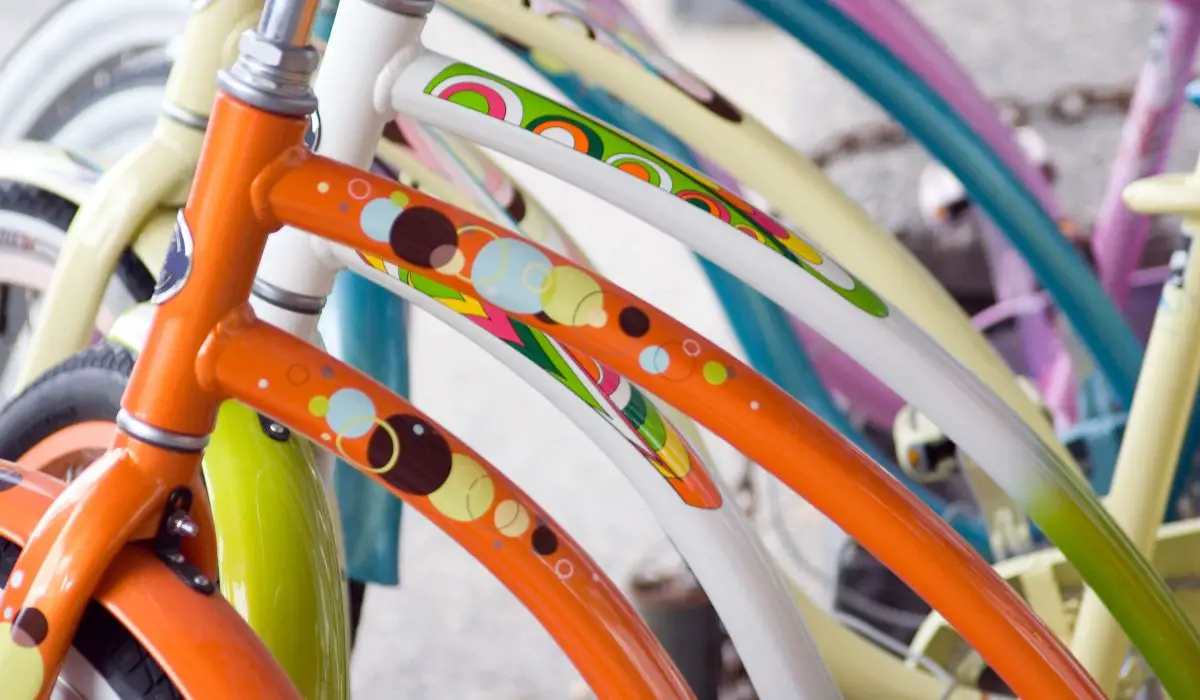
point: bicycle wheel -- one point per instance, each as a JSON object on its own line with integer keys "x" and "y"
{"x": 57, "y": 424}
{"x": 33, "y": 225}
{"x": 105, "y": 662}
{"x": 90, "y": 76}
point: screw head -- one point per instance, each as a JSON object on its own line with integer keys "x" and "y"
{"x": 180, "y": 524}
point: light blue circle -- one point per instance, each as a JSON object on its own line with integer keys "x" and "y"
{"x": 654, "y": 359}
{"x": 351, "y": 413}
{"x": 511, "y": 275}
{"x": 377, "y": 218}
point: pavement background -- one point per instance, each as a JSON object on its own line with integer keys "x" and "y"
{"x": 451, "y": 631}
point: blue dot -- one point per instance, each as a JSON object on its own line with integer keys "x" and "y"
{"x": 511, "y": 275}
{"x": 351, "y": 413}
{"x": 377, "y": 218}
{"x": 654, "y": 359}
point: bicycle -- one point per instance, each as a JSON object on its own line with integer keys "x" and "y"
{"x": 576, "y": 334}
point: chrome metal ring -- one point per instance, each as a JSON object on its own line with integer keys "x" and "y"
{"x": 187, "y": 118}
{"x": 176, "y": 442}
{"x": 291, "y": 301}
{"x": 411, "y": 8}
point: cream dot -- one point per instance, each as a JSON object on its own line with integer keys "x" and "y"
{"x": 263, "y": 384}
{"x": 326, "y": 436}
{"x": 511, "y": 518}
{"x": 596, "y": 318}
{"x": 8, "y": 613}
{"x": 322, "y": 187}
{"x": 753, "y": 405}
{"x": 17, "y": 578}
{"x": 467, "y": 493}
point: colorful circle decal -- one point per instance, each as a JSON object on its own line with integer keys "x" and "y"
{"x": 706, "y": 203}
{"x": 570, "y": 133}
{"x": 642, "y": 168}
{"x": 483, "y": 95}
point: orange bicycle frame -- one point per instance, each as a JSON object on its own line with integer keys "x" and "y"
{"x": 205, "y": 347}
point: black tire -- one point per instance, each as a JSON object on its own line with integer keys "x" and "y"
{"x": 33, "y": 226}
{"x": 109, "y": 648}
{"x": 87, "y": 387}
{"x": 58, "y": 211}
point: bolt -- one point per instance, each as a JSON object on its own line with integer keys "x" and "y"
{"x": 175, "y": 557}
{"x": 180, "y": 524}
{"x": 276, "y": 428}
{"x": 201, "y": 580}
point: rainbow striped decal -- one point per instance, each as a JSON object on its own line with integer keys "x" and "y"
{"x": 490, "y": 95}
{"x": 660, "y": 442}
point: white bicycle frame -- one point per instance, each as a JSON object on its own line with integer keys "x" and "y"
{"x": 375, "y": 67}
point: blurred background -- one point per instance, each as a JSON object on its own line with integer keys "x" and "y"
{"x": 449, "y": 620}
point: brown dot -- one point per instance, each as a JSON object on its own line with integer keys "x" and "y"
{"x": 545, "y": 542}
{"x": 30, "y": 628}
{"x": 424, "y": 461}
{"x": 392, "y": 132}
{"x": 9, "y": 478}
{"x": 723, "y": 108}
{"x": 297, "y": 374}
{"x": 634, "y": 322}
{"x": 419, "y": 232}
{"x": 516, "y": 208}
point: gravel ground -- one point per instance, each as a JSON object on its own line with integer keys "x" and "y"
{"x": 452, "y": 632}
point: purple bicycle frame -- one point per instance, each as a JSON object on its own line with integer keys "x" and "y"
{"x": 1119, "y": 238}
